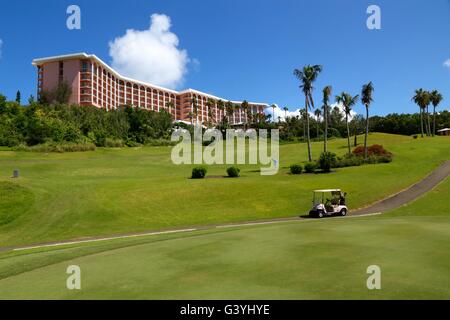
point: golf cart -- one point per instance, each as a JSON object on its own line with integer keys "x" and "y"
{"x": 328, "y": 203}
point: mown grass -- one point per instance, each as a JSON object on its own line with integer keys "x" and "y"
{"x": 308, "y": 259}
{"x": 110, "y": 191}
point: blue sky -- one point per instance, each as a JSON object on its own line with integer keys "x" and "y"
{"x": 246, "y": 49}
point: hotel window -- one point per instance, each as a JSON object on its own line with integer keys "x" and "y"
{"x": 84, "y": 66}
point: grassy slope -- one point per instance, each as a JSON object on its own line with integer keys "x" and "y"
{"x": 114, "y": 191}
{"x": 303, "y": 260}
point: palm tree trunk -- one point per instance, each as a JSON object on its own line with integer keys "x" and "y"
{"x": 434, "y": 121}
{"x": 348, "y": 134}
{"x": 317, "y": 129}
{"x": 308, "y": 139}
{"x": 367, "y": 132}
{"x": 325, "y": 136}
{"x": 428, "y": 123}
{"x": 421, "y": 121}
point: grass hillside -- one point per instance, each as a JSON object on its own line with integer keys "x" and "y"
{"x": 73, "y": 195}
{"x": 308, "y": 259}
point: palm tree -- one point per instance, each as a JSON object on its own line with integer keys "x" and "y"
{"x": 348, "y": 102}
{"x": 428, "y": 124}
{"x": 326, "y": 100}
{"x": 229, "y": 110}
{"x": 317, "y": 113}
{"x": 250, "y": 117}
{"x": 209, "y": 105}
{"x": 286, "y": 109}
{"x": 422, "y": 99}
{"x": 273, "y": 111}
{"x": 245, "y": 108}
{"x": 366, "y": 99}
{"x": 307, "y": 76}
{"x": 194, "y": 108}
{"x": 191, "y": 117}
{"x": 221, "y": 107}
{"x": 436, "y": 98}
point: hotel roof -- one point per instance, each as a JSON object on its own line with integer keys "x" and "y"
{"x": 83, "y": 55}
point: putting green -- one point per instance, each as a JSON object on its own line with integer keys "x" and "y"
{"x": 74, "y": 195}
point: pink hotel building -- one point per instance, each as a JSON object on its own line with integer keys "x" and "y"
{"x": 94, "y": 83}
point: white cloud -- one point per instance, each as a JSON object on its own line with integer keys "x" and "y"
{"x": 447, "y": 63}
{"x": 279, "y": 112}
{"x": 151, "y": 55}
{"x": 1, "y": 44}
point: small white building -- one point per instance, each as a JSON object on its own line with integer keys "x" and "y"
{"x": 444, "y": 132}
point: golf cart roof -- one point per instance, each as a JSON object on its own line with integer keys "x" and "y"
{"x": 327, "y": 190}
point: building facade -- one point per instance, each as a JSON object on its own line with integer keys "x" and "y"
{"x": 94, "y": 83}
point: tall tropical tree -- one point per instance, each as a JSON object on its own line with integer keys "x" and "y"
{"x": 307, "y": 76}
{"x": 285, "y": 109}
{"x": 273, "y": 112}
{"x": 348, "y": 102}
{"x": 326, "y": 101}
{"x": 210, "y": 105}
{"x": 229, "y": 109}
{"x": 317, "y": 113}
{"x": 436, "y": 98}
{"x": 250, "y": 117}
{"x": 18, "y": 96}
{"x": 194, "y": 108}
{"x": 422, "y": 99}
{"x": 366, "y": 99}
{"x": 245, "y": 107}
{"x": 221, "y": 107}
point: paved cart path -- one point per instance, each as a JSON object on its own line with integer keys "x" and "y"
{"x": 390, "y": 203}
{"x": 408, "y": 195}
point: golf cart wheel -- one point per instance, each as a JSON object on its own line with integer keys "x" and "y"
{"x": 343, "y": 212}
{"x": 320, "y": 215}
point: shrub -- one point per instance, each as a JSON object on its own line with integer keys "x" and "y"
{"x": 376, "y": 149}
{"x": 384, "y": 159}
{"x": 327, "y": 160}
{"x": 349, "y": 161}
{"x": 310, "y": 167}
{"x": 113, "y": 143}
{"x": 199, "y": 172}
{"x": 296, "y": 169}
{"x": 133, "y": 144}
{"x": 233, "y": 172}
{"x": 415, "y": 136}
{"x": 159, "y": 143}
{"x": 58, "y": 147}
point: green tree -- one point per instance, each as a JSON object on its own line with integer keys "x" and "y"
{"x": 221, "y": 108}
{"x": 273, "y": 111}
{"x": 18, "y": 97}
{"x": 348, "y": 102}
{"x": 229, "y": 109}
{"x": 366, "y": 99}
{"x": 317, "y": 113}
{"x": 307, "y": 76}
{"x": 436, "y": 98}
{"x": 326, "y": 101}
{"x": 285, "y": 109}
{"x": 422, "y": 99}
{"x": 194, "y": 108}
{"x": 245, "y": 108}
